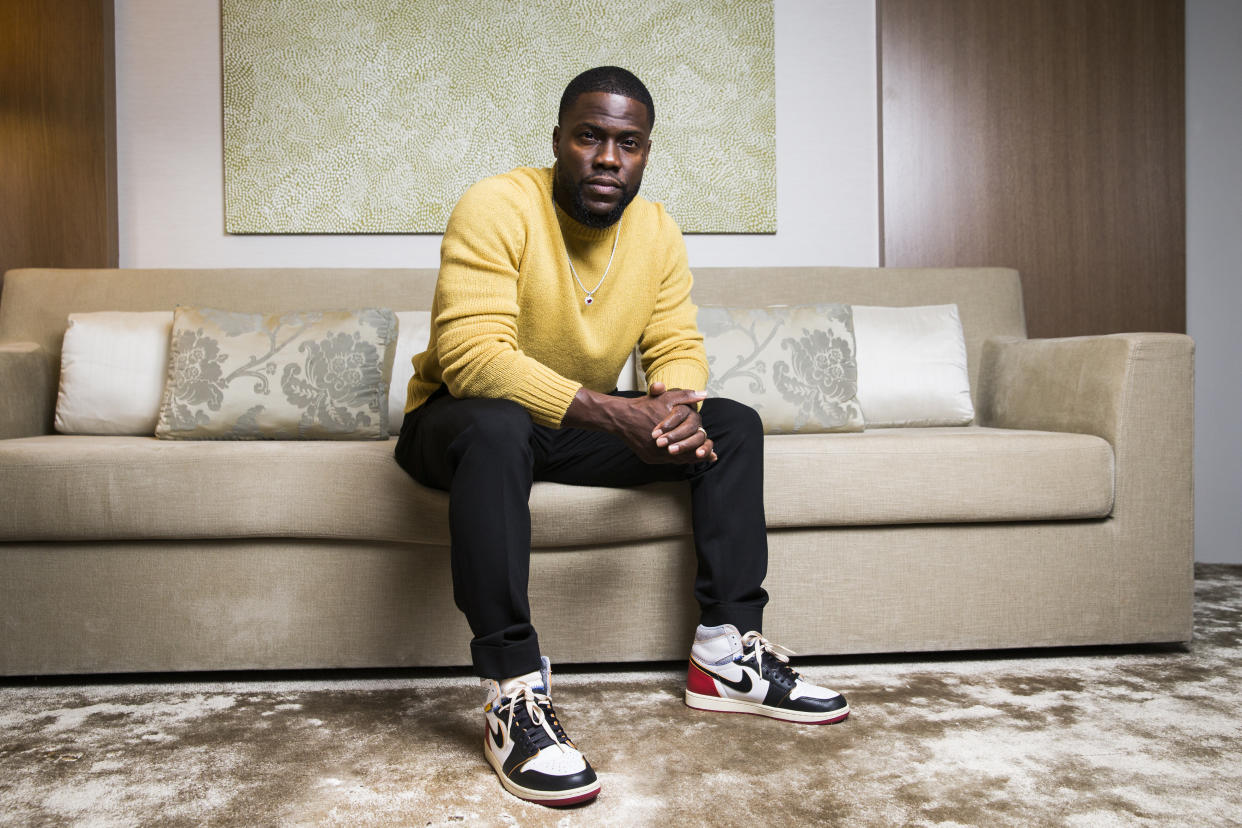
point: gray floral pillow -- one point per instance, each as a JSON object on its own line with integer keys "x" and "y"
{"x": 795, "y": 365}
{"x": 312, "y": 375}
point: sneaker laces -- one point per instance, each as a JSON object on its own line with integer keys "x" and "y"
{"x": 533, "y": 713}
{"x": 760, "y": 647}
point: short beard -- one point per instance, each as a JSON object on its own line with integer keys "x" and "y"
{"x": 582, "y": 215}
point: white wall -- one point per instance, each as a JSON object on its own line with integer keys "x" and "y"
{"x": 170, "y": 147}
{"x": 171, "y": 211}
{"x": 1214, "y": 269}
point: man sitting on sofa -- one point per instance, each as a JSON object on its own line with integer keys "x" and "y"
{"x": 548, "y": 278}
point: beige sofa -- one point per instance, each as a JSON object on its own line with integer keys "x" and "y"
{"x": 1062, "y": 517}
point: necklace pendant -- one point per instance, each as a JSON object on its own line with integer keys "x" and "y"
{"x": 590, "y": 294}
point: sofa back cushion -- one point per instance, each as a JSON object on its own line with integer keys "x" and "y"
{"x": 37, "y": 302}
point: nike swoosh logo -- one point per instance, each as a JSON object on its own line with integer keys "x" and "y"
{"x": 498, "y": 736}
{"x": 742, "y": 686}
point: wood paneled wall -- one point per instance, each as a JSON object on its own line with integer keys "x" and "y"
{"x": 57, "y": 134}
{"x": 1045, "y": 135}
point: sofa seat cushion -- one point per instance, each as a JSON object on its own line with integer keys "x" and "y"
{"x": 66, "y": 488}
{"x": 71, "y": 487}
{"x": 936, "y": 475}
{"x": 84, "y": 488}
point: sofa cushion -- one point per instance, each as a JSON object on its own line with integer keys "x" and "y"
{"x": 936, "y": 475}
{"x": 912, "y": 366}
{"x": 413, "y": 332}
{"x": 122, "y": 488}
{"x": 112, "y": 370}
{"x": 293, "y": 375}
{"x": 795, "y": 365}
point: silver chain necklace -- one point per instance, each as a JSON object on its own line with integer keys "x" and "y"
{"x": 590, "y": 294}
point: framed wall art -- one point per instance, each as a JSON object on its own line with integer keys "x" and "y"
{"x": 374, "y": 116}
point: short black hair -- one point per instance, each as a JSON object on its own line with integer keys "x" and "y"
{"x": 611, "y": 79}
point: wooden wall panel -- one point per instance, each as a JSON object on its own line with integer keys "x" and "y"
{"x": 57, "y": 134}
{"x": 1045, "y": 135}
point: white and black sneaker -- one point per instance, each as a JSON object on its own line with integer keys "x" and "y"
{"x": 737, "y": 673}
{"x": 527, "y": 747}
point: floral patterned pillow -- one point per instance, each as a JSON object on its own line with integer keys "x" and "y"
{"x": 282, "y": 376}
{"x": 795, "y": 365}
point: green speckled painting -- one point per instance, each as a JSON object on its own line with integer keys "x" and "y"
{"x": 374, "y": 116}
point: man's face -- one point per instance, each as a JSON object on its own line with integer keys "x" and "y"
{"x": 601, "y": 148}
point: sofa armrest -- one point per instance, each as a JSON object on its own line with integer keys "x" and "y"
{"x": 27, "y": 393}
{"x": 1108, "y": 385}
{"x": 1137, "y": 392}
{"x": 1134, "y": 390}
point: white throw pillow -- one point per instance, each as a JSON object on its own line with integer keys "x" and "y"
{"x": 414, "y": 331}
{"x": 627, "y": 380}
{"x": 912, "y": 366}
{"x": 112, "y": 370}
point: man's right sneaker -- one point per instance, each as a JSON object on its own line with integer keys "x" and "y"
{"x": 527, "y": 747}
{"x": 735, "y": 673}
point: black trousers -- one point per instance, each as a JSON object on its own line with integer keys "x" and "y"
{"x": 486, "y": 453}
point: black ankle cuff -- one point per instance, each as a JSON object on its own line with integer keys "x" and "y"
{"x": 511, "y": 660}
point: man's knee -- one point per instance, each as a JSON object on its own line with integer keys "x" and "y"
{"x": 725, "y": 416}
{"x": 499, "y": 427}
{"x": 488, "y": 434}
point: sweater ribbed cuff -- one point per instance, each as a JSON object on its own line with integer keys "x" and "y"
{"x": 682, "y": 374}
{"x": 546, "y": 395}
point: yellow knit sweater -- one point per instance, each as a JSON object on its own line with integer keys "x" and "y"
{"x": 509, "y": 321}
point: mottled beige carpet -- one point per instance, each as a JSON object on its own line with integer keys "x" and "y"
{"x": 1137, "y": 736}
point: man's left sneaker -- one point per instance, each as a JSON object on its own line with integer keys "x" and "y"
{"x": 737, "y": 673}
{"x": 525, "y": 744}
